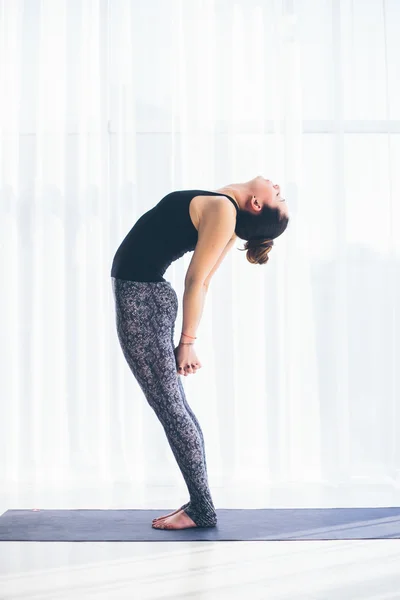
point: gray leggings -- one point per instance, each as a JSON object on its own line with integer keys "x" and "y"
{"x": 145, "y": 318}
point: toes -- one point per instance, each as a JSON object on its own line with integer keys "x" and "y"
{"x": 165, "y": 524}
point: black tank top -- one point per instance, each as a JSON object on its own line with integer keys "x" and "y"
{"x": 160, "y": 236}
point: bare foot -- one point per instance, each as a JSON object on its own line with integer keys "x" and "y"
{"x": 180, "y": 520}
{"x": 169, "y": 514}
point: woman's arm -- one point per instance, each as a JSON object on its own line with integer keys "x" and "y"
{"x": 193, "y": 304}
{"x": 194, "y": 298}
{"x": 216, "y": 235}
{"x": 216, "y": 229}
{"x": 221, "y": 258}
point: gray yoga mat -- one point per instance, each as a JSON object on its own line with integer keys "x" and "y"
{"x": 133, "y": 525}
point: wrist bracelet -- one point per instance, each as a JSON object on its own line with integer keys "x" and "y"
{"x": 189, "y": 336}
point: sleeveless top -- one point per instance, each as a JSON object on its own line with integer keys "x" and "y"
{"x": 160, "y": 236}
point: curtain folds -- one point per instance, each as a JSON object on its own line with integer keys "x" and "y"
{"x": 108, "y": 105}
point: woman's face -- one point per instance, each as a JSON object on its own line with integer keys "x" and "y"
{"x": 267, "y": 192}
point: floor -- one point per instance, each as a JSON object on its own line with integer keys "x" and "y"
{"x": 315, "y": 570}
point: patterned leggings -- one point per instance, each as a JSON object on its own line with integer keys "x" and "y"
{"x": 145, "y": 317}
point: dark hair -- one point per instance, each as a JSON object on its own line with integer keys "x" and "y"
{"x": 259, "y": 231}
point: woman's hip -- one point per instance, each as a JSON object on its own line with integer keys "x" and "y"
{"x": 144, "y": 310}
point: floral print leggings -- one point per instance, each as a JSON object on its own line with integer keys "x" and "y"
{"x": 145, "y": 317}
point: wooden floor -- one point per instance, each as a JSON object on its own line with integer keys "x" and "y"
{"x": 323, "y": 570}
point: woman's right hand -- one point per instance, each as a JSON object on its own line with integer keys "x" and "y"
{"x": 186, "y": 359}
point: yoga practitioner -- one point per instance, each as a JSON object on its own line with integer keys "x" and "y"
{"x": 146, "y": 306}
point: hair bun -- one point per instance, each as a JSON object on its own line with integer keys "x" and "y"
{"x": 258, "y": 249}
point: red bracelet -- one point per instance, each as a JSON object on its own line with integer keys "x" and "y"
{"x": 189, "y": 336}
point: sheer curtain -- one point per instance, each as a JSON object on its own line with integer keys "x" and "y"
{"x": 108, "y": 105}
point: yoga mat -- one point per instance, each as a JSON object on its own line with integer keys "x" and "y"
{"x": 244, "y": 524}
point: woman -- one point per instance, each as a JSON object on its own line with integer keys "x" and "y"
{"x": 146, "y": 305}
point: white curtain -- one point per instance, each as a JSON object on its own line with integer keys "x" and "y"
{"x": 108, "y": 105}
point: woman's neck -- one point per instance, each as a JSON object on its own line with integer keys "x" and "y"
{"x": 230, "y": 191}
